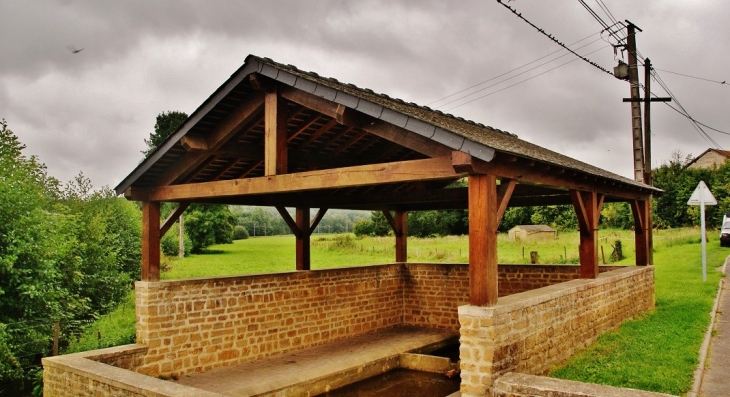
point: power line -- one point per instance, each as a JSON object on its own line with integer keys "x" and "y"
{"x": 695, "y": 77}
{"x": 551, "y": 37}
{"x": 519, "y": 82}
{"x": 509, "y": 78}
{"x": 695, "y": 124}
{"x": 510, "y": 71}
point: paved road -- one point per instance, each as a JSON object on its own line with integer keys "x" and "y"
{"x": 716, "y": 379}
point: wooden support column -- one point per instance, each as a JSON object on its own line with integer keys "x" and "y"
{"x": 275, "y": 153}
{"x": 399, "y": 226}
{"x": 303, "y": 239}
{"x": 151, "y": 241}
{"x": 642, "y": 211}
{"x": 483, "y": 240}
{"x": 588, "y": 209}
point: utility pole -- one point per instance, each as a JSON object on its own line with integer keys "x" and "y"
{"x": 635, "y": 106}
{"x": 648, "y": 174}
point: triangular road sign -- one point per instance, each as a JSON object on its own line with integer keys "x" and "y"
{"x": 702, "y": 195}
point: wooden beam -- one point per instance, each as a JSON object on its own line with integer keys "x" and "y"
{"x": 532, "y": 172}
{"x": 293, "y": 226}
{"x": 641, "y": 209}
{"x": 303, "y": 240}
{"x": 346, "y": 116}
{"x": 230, "y": 126}
{"x": 317, "y": 218}
{"x": 401, "y": 236}
{"x": 364, "y": 175}
{"x": 587, "y": 206}
{"x": 172, "y": 218}
{"x": 150, "y": 241}
{"x": 504, "y": 193}
{"x": 275, "y": 140}
{"x": 406, "y": 138}
{"x": 391, "y": 220}
{"x": 483, "y": 290}
{"x": 193, "y": 142}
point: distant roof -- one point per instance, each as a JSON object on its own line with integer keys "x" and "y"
{"x": 724, "y": 153}
{"x": 456, "y": 133}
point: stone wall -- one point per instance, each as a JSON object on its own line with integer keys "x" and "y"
{"x": 531, "y": 331}
{"x": 199, "y": 324}
{"x": 93, "y": 374}
{"x": 434, "y": 291}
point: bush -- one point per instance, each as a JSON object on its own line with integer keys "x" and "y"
{"x": 170, "y": 242}
{"x": 240, "y": 233}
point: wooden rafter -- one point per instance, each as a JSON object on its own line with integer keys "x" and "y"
{"x": 242, "y": 115}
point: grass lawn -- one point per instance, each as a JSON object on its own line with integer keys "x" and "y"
{"x": 658, "y": 352}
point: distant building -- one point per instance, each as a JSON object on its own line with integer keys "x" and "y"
{"x": 711, "y": 158}
{"x": 532, "y": 233}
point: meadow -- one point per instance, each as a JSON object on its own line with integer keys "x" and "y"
{"x": 277, "y": 253}
{"x": 656, "y": 352}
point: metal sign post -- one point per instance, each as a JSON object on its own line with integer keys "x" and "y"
{"x": 702, "y": 196}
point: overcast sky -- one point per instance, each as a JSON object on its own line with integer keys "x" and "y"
{"x": 90, "y": 111}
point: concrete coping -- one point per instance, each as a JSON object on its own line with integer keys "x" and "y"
{"x": 514, "y": 384}
{"x": 85, "y": 366}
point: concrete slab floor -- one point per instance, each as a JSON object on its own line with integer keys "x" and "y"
{"x": 346, "y": 357}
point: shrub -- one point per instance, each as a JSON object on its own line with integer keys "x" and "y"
{"x": 240, "y": 233}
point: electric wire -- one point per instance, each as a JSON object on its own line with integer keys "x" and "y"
{"x": 551, "y": 37}
{"x": 510, "y": 71}
{"x": 724, "y": 82}
{"x": 682, "y": 110}
{"x": 510, "y": 78}
{"x": 519, "y": 82}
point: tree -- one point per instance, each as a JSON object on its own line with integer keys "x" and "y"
{"x": 209, "y": 224}
{"x": 167, "y": 123}
{"x": 66, "y": 255}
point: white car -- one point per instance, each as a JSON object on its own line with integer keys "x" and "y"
{"x": 725, "y": 231}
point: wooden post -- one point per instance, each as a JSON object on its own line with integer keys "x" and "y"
{"x": 483, "y": 240}
{"x": 150, "y": 241}
{"x": 56, "y": 328}
{"x": 641, "y": 211}
{"x": 401, "y": 236}
{"x": 275, "y": 139}
{"x": 588, "y": 209}
{"x": 303, "y": 239}
{"x": 181, "y": 238}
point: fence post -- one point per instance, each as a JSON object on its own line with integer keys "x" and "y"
{"x": 56, "y": 327}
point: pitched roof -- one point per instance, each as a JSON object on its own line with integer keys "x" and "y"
{"x": 724, "y": 153}
{"x": 454, "y": 132}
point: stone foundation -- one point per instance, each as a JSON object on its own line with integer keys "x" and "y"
{"x": 531, "y": 331}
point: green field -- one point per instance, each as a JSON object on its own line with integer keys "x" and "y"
{"x": 276, "y": 253}
{"x": 657, "y": 352}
